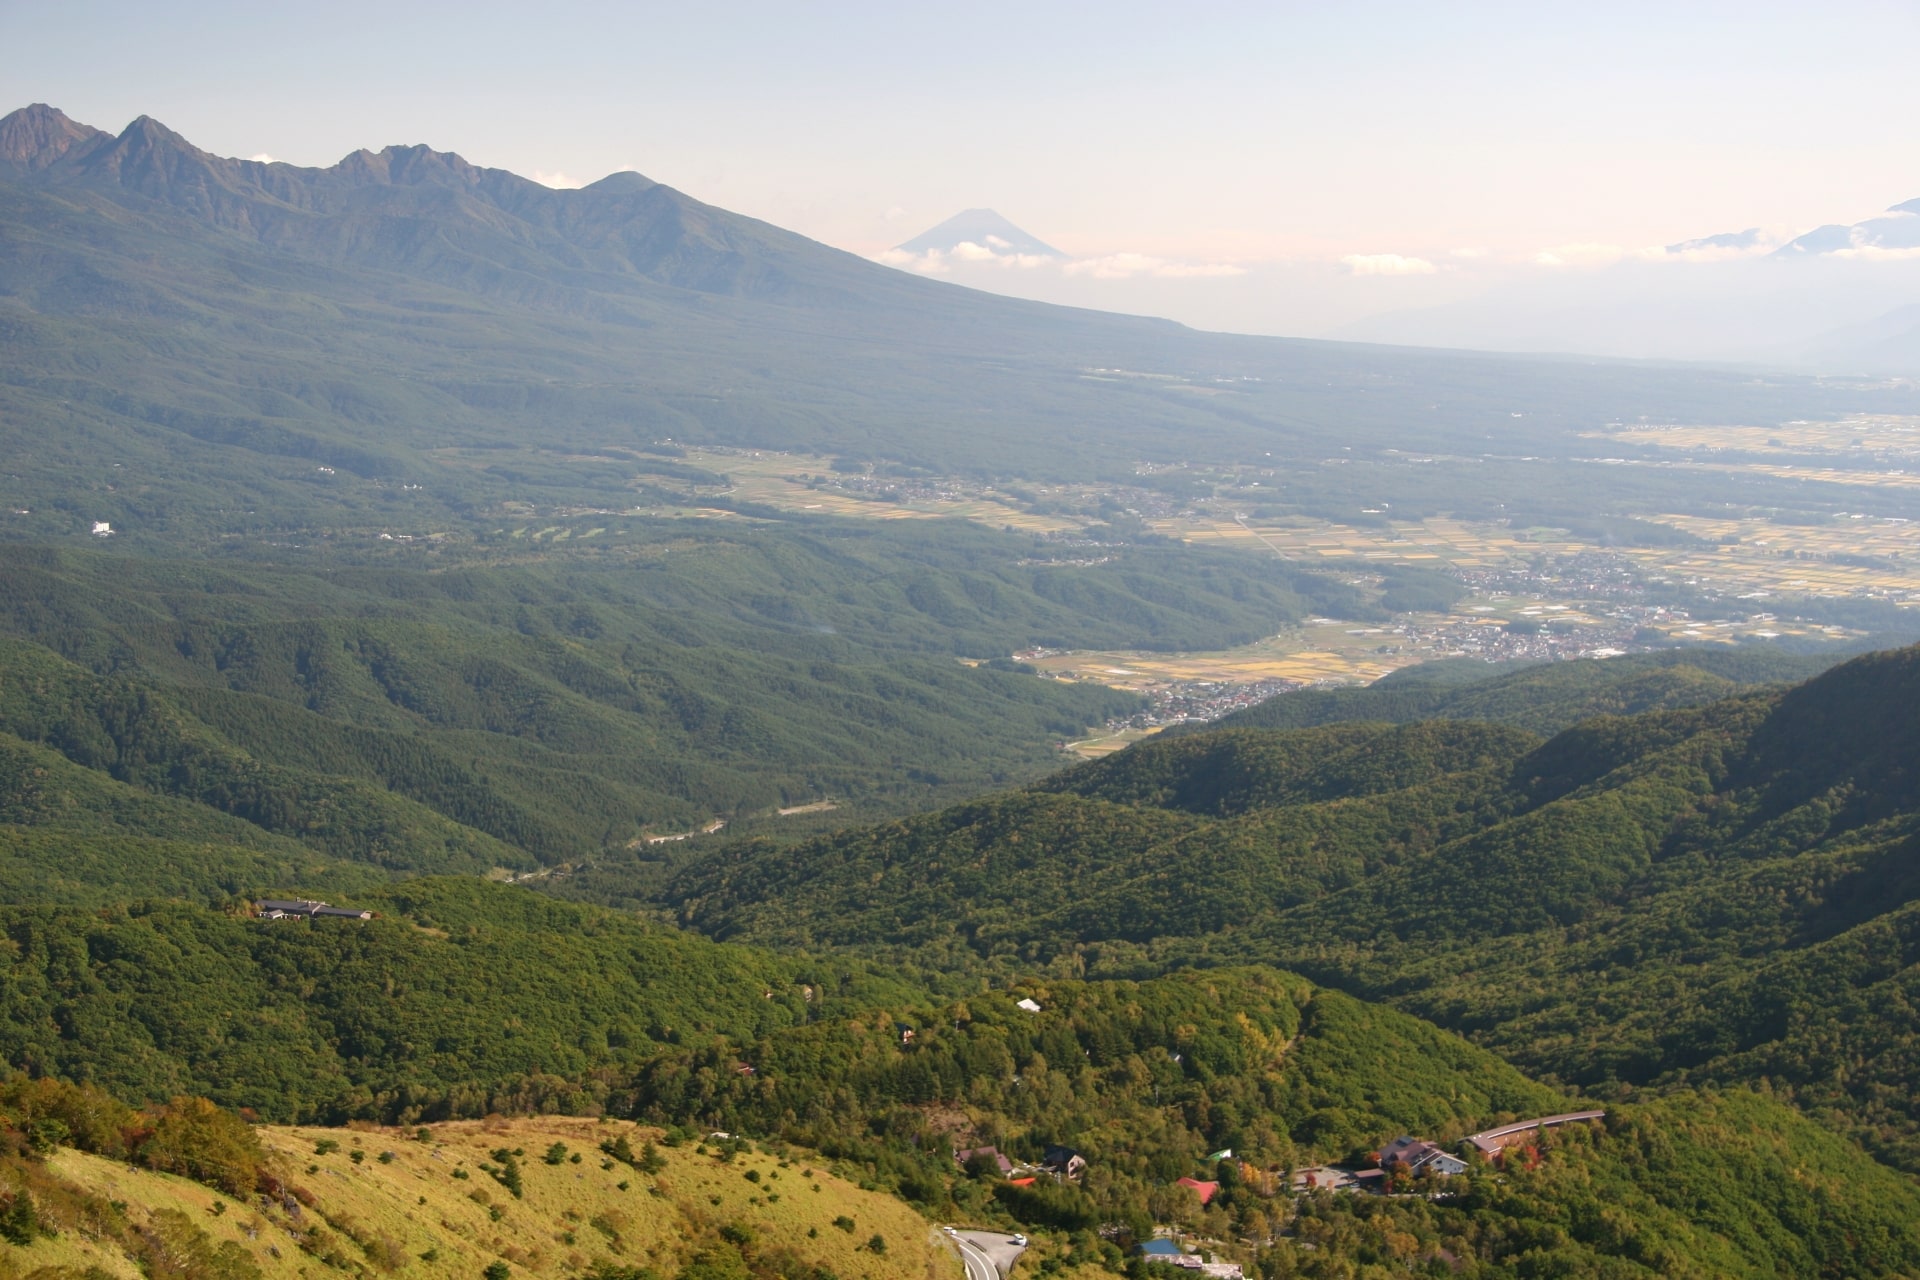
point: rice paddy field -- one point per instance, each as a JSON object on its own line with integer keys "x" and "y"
{"x": 1865, "y": 437}
{"x": 1321, "y": 650}
{"x": 1437, "y": 543}
{"x": 1854, "y": 555}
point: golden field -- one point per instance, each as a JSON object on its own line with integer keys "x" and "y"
{"x": 425, "y": 1209}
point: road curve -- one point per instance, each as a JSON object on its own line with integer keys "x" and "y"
{"x": 979, "y": 1266}
{"x": 987, "y": 1255}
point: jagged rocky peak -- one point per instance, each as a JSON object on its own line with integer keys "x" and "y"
{"x": 153, "y": 159}
{"x": 402, "y": 166}
{"x": 147, "y": 136}
{"x": 39, "y": 135}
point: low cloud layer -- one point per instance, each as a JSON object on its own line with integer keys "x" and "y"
{"x": 939, "y": 262}
{"x": 1879, "y": 253}
{"x": 1387, "y": 264}
{"x": 1121, "y": 266}
{"x": 999, "y": 253}
{"x": 1585, "y": 254}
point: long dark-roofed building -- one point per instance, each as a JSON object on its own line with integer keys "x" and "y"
{"x": 287, "y": 908}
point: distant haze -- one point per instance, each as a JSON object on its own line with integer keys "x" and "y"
{"x": 1459, "y": 175}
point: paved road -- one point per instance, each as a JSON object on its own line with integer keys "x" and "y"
{"x": 979, "y": 1266}
{"x": 988, "y": 1255}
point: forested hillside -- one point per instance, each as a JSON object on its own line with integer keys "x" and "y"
{"x": 1142, "y": 1078}
{"x": 1543, "y": 897}
{"x": 504, "y": 714}
{"x": 1711, "y": 894}
{"x": 461, "y": 997}
{"x": 1540, "y": 697}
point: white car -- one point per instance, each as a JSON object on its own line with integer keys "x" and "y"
{"x": 1019, "y": 1240}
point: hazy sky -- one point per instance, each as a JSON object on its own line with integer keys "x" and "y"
{"x": 1252, "y": 137}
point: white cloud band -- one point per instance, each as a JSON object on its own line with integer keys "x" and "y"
{"x": 1122, "y": 266}
{"x": 1387, "y": 264}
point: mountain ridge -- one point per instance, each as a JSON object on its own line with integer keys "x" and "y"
{"x": 1895, "y": 230}
{"x": 625, "y": 225}
{"x": 466, "y": 304}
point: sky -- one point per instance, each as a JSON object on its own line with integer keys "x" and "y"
{"x": 1271, "y": 167}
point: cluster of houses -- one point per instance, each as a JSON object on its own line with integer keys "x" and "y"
{"x": 1063, "y": 1164}
{"x": 1404, "y": 1155}
{"x": 1418, "y": 1157}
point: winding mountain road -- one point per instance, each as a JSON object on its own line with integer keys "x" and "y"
{"x": 987, "y": 1255}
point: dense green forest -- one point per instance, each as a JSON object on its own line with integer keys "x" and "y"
{"x": 1712, "y": 894}
{"x": 461, "y": 997}
{"x": 503, "y": 712}
{"x": 510, "y": 714}
{"x": 1541, "y": 697}
{"x": 1147, "y": 1080}
{"x": 1685, "y": 1185}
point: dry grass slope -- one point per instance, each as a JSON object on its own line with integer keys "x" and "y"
{"x": 426, "y": 1209}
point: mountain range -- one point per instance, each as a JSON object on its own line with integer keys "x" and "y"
{"x": 356, "y": 550}
{"x": 373, "y": 315}
{"x": 1897, "y": 233}
{"x": 1838, "y": 298}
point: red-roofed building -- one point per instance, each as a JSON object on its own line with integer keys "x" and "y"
{"x": 1205, "y": 1190}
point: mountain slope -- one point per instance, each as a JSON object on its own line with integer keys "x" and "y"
{"x": 427, "y": 1208}
{"x": 1541, "y": 698}
{"x": 1711, "y": 893}
{"x": 569, "y": 705}
{"x": 1686, "y": 1185}
{"x": 459, "y": 998}
{"x": 388, "y": 313}
{"x": 432, "y": 212}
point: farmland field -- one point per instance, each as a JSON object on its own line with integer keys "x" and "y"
{"x": 782, "y": 480}
{"x": 1530, "y": 589}
{"x": 1864, "y": 437}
